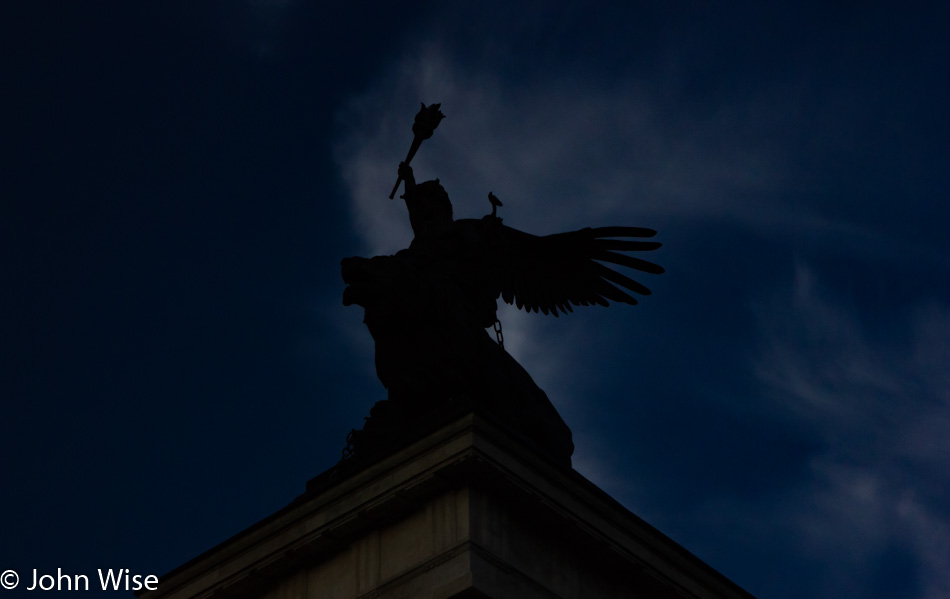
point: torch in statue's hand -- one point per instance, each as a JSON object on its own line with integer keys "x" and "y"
{"x": 427, "y": 120}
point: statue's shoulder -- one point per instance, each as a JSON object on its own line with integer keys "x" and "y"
{"x": 475, "y": 231}
{"x": 487, "y": 225}
{"x": 461, "y": 228}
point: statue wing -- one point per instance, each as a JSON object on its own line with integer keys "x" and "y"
{"x": 551, "y": 273}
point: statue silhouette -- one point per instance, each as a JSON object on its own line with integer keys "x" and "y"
{"x": 428, "y": 307}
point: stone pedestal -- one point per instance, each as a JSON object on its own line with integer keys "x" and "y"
{"x": 466, "y": 511}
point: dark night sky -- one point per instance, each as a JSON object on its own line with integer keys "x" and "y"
{"x": 181, "y": 181}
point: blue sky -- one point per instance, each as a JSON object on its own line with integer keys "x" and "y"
{"x": 184, "y": 179}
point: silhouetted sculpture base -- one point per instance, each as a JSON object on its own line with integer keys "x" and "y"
{"x": 394, "y": 423}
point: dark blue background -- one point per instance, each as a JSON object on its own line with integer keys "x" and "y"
{"x": 172, "y": 218}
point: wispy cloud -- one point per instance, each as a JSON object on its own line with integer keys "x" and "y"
{"x": 561, "y": 153}
{"x": 879, "y": 399}
{"x": 564, "y": 153}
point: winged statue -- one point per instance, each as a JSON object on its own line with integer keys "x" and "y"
{"x": 428, "y": 308}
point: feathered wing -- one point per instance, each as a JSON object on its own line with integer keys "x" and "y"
{"x": 551, "y": 273}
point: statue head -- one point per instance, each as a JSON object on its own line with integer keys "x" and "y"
{"x": 430, "y": 210}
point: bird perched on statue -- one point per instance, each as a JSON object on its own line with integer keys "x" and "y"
{"x": 495, "y": 203}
